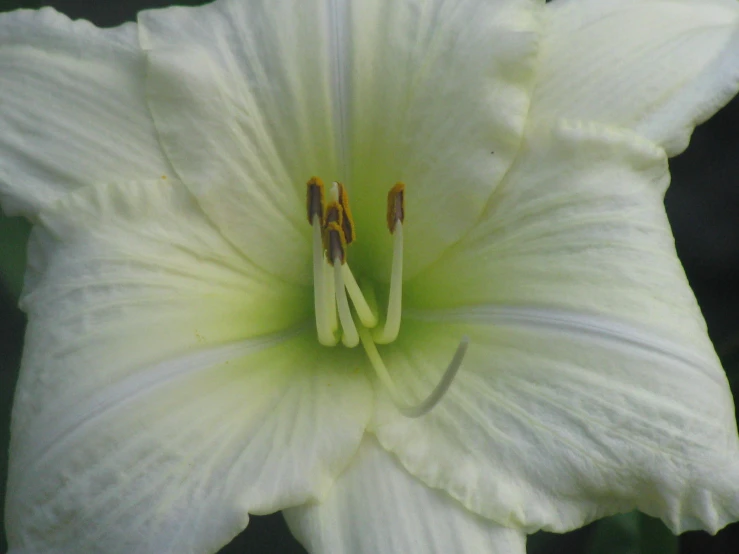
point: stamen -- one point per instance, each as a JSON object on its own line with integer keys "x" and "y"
{"x": 347, "y": 224}
{"x": 367, "y": 316}
{"x": 410, "y": 410}
{"x": 335, "y": 243}
{"x": 335, "y": 215}
{"x": 395, "y": 216}
{"x": 333, "y": 230}
{"x": 323, "y": 304}
{"x": 315, "y": 199}
{"x": 328, "y": 276}
{"x": 395, "y": 206}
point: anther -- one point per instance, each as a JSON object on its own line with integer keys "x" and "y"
{"x": 323, "y": 304}
{"x": 315, "y": 199}
{"x": 395, "y": 206}
{"x": 335, "y": 215}
{"x": 335, "y": 243}
{"x": 347, "y": 223}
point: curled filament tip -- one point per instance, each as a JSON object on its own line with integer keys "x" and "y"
{"x": 425, "y": 406}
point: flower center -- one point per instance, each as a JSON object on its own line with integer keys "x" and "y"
{"x": 334, "y": 284}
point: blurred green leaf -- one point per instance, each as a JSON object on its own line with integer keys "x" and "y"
{"x": 13, "y": 238}
{"x": 540, "y": 543}
{"x": 618, "y": 534}
{"x": 559, "y": 543}
{"x": 7, "y": 5}
{"x": 728, "y": 350}
{"x": 632, "y": 533}
{"x": 656, "y": 538}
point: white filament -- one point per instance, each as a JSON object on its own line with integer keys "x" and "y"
{"x": 328, "y": 275}
{"x": 389, "y": 332}
{"x": 322, "y": 303}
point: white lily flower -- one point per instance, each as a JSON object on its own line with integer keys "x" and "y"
{"x": 185, "y": 365}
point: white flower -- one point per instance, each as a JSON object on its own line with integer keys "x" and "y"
{"x": 173, "y": 381}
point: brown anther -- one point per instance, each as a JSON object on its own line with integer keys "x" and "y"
{"x": 315, "y": 199}
{"x": 336, "y": 245}
{"x": 395, "y": 206}
{"x": 334, "y": 214}
{"x": 347, "y": 223}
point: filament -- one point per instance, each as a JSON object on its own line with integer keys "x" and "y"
{"x": 389, "y": 331}
{"x": 328, "y": 276}
{"x": 323, "y": 304}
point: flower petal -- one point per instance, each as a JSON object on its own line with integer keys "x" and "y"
{"x": 601, "y": 392}
{"x": 162, "y": 395}
{"x": 72, "y": 109}
{"x": 253, "y": 98}
{"x": 439, "y": 96}
{"x": 377, "y": 506}
{"x": 578, "y": 224}
{"x": 239, "y": 93}
{"x": 659, "y": 67}
{"x": 558, "y": 418}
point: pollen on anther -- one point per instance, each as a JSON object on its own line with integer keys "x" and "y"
{"x": 335, "y": 243}
{"x": 347, "y": 223}
{"x": 395, "y": 206}
{"x": 315, "y": 199}
{"x": 334, "y": 214}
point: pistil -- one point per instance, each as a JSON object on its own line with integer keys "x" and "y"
{"x": 406, "y": 408}
{"x": 366, "y": 314}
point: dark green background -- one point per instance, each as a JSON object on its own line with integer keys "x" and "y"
{"x": 703, "y": 206}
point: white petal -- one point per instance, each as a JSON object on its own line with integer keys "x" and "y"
{"x": 72, "y": 109}
{"x": 439, "y": 95}
{"x": 558, "y": 418}
{"x": 659, "y": 67}
{"x": 579, "y": 223}
{"x": 161, "y": 396}
{"x": 602, "y": 393}
{"x": 377, "y": 507}
{"x": 253, "y": 98}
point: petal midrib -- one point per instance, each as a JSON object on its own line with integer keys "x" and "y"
{"x": 583, "y": 325}
{"x": 339, "y": 50}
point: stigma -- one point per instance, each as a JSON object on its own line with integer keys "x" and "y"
{"x": 334, "y": 284}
